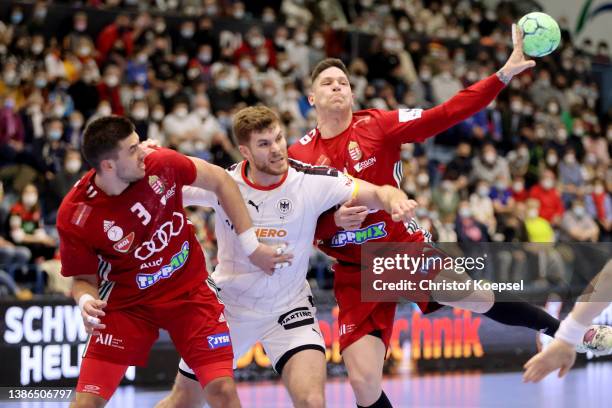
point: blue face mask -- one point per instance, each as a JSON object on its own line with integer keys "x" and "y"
{"x": 55, "y": 135}
{"x": 16, "y": 18}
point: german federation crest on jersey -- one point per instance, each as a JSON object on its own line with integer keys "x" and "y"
{"x": 284, "y": 206}
{"x": 156, "y": 184}
{"x": 354, "y": 150}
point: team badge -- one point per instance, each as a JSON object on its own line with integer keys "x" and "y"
{"x": 354, "y": 150}
{"x": 157, "y": 185}
{"x": 124, "y": 244}
{"x": 284, "y": 206}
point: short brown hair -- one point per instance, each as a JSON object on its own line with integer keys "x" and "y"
{"x": 102, "y": 136}
{"x": 252, "y": 119}
{"x": 328, "y": 63}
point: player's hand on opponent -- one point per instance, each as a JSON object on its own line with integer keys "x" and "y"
{"x": 149, "y": 146}
{"x": 402, "y": 209}
{"x": 91, "y": 313}
{"x": 350, "y": 217}
{"x": 557, "y": 355}
{"x": 270, "y": 258}
{"x": 517, "y": 62}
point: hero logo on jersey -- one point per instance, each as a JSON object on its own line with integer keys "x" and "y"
{"x": 406, "y": 115}
{"x": 284, "y": 206}
{"x": 178, "y": 260}
{"x": 156, "y": 184}
{"x": 354, "y": 150}
{"x": 161, "y": 238}
{"x": 301, "y": 316}
{"x": 219, "y": 340}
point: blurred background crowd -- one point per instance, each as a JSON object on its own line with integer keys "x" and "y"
{"x": 534, "y": 166}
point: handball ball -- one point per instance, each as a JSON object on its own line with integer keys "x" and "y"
{"x": 541, "y": 34}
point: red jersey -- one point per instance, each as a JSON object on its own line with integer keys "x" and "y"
{"x": 139, "y": 243}
{"x": 369, "y": 149}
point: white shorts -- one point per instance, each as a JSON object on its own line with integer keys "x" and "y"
{"x": 281, "y": 335}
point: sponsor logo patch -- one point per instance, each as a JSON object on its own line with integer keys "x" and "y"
{"x": 161, "y": 237}
{"x": 168, "y": 195}
{"x": 365, "y": 164}
{"x": 270, "y": 233}
{"x": 301, "y": 316}
{"x": 81, "y": 214}
{"x": 178, "y": 260}
{"x": 354, "y": 150}
{"x": 125, "y": 244}
{"x": 219, "y": 340}
{"x": 156, "y": 184}
{"x": 360, "y": 236}
{"x": 115, "y": 233}
{"x": 109, "y": 340}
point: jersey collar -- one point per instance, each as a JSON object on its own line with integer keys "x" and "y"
{"x": 257, "y": 186}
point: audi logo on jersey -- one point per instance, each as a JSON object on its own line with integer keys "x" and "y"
{"x": 161, "y": 238}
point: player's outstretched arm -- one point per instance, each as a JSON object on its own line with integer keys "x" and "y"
{"x": 561, "y": 352}
{"x": 217, "y": 180}
{"x": 85, "y": 293}
{"x": 393, "y": 200}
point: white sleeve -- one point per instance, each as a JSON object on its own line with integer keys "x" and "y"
{"x": 330, "y": 189}
{"x": 199, "y": 196}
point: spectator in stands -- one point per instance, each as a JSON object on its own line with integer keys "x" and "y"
{"x": 12, "y": 256}
{"x": 578, "y": 225}
{"x": 61, "y": 182}
{"x": 468, "y": 229}
{"x": 598, "y": 204}
{"x": 538, "y": 228}
{"x": 546, "y": 193}
{"x": 570, "y": 178}
{"x": 489, "y": 166}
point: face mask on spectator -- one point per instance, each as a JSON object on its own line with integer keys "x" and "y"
{"x": 16, "y": 18}
{"x": 598, "y": 189}
{"x": 301, "y": 38}
{"x": 244, "y": 84}
{"x": 10, "y": 77}
{"x": 447, "y": 186}
{"x": 40, "y": 13}
{"x": 268, "y": 17}
{"x": 262, "y": 60}
{"x": 73, "y": 166}
{"x": 104, "y": 110}
{"x": 578, "y": 131}
{"x": 284, "y": 66}
{"x": 40, "y": 82}
{"x": 203, "y": 112}
{"x": 523, "y": 151}
{"x": 483, "y": 191}
{"x": 37, "y": 48}
{"x": 569, "y": 159}
{"x": 532, "y": 213}
{"x": 181, "y": 112}
{"x": 76, "y": 123}
{"x": 30, "y": 199}
{"x": 425, "y": 75}
{"x": 238, "y": 14}
{"x": 548, "y": 183}
{"x": 422, "y": 179}
{"x": 421, "y": 212}
{"x": 211, "y": 10}
{"x": 204, "y": 57}
{"x": 465, "y": 212}
{"x": 111, "y": 81}
{"x": 561, "y": 135}
{"x": 552, "y": 159}
{"x": 579, "y": 211}
{"x": 609, "y": 134}
{"x": 318, "y": 42}
{"x": 528, "y": 110}
{"x": 518, "y": 186}
{"x": 187, "y": 32}
{"x": 500, "y": 185}
{"x": 9, "y": 103}
{"x": 256, "y": 41}
{"x": 181, "y": 60}
{"x": 489, "y": 157}
{"x": 246, "y": 64}
{"x": 58, "y": 111}
{"x": 140, "y": 113}
{"x": 157, "y": 115}
{"x": 80, "y": 26}
{"x": 55, "y": 134}
{"x": 159, "y": 28}
{"x": 553, "y": 108}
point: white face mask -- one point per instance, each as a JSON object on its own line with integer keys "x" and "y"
{"x": 203, "y": 112}
{"x": 181, "y": 112}
{"x": 548, "y": 183}
{"x": 465, "y": 212}
{"x": 30, "y": 199}
{"x": 104, "y": 110}
{"x": 518, "y": 186}
{"x": 72, "y": 166}
{"x": 532, "y": 213}
{"x": 140, "y": 113}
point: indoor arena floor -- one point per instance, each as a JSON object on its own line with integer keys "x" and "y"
{"x": 586, "y": 386}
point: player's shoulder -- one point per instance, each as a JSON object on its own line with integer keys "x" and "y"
{"x": 78, "y": 203}
{"x": 308, "y": 170}
{"x": 304, "y": 141}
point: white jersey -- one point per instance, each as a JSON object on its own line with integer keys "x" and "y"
{"x": 284, "y": 213}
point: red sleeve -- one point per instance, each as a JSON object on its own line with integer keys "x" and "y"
{"x": 326, "y": 225}
{"x": 416, "y": 125}
{"x": 183, "y": 168}
{"x": 76, "y": 256}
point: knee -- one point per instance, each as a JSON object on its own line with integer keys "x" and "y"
{"x": 310, "y": 399}
{"x": 221, "y": 392}
{"x": 364, "y": 379}
{"x": 183, "y": 395}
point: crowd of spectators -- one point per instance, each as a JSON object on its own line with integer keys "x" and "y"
{"x": 533, "y": 166}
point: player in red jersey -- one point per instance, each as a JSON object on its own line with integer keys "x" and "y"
{"x": 138, "y": 267}
{"x": 367, "y": 145}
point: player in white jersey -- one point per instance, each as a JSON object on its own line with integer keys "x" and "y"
{"x": 284, "y": 198}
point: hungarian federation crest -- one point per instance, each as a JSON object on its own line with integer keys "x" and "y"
{"x": 156, "y": 184}
{"x": 354, "y": 150}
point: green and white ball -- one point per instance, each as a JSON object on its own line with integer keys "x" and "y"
{"x": 541, "y": 34}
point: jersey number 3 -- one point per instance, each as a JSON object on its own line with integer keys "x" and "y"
{"x": 141, "y": 213}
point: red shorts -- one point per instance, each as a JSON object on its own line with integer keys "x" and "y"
{"x": 356, "y": 318}
{"x": 193, "y": 320}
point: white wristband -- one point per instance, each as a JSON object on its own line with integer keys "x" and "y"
{"x": 85, "y": 298}
{"x": 571, "y": 331}
{"x": 249, "y": 241}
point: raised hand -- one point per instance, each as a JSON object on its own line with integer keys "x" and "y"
{"x": 517, "y": 62}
